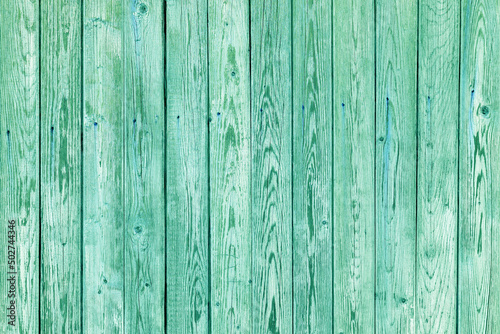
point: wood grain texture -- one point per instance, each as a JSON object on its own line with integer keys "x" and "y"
{"x": 230, "y": 157}
{"x": 103, "y": 167}
{"x": 271, "y": 166}
{"x": 187, "y": 167}
{"x": 438, "y": 74}
{"x": 144, "y": 122}
{"x": 396, "y": 148}
{"x": 354, "y": 161}
{"x": 479, "y": 235}
{"x": 312, "y": 166}
{"x": 60, "y": 154}
{"x": 19, "y": 159}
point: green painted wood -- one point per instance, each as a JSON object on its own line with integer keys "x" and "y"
{"x": 60, "y": 158}
{"x": 103, "y": 166}
{"x": 271, "y": 98}
{"x": 230, "y": 157}
{"x": 395, "y": 165}
{"x": 479, "y": 235}
{"x": 437, "y": 212}
{"x": 187, "y": 167}
{"x": 268, "y": 167}
{"x": 19, "y": 160}
{"x": 354, "y": 162}
{"x": 312, "y": 167}
{"x": 144, "y": 184}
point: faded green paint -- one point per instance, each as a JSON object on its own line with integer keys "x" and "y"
{"x": 251, "y": 166}
{"x": 19, "y": 160}
{"x": 61, "y": 168}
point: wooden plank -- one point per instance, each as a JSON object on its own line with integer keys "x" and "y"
{"x": 187, "y": 167}
{"x": 354, "y": 163}
{"x": 230, "y": 225}
{"x": 103, "y": 167}
{"x": 312, "y": 166}
{"x": 271, "y": 166}
{"x": 144, "y": 184}
{"x": 60, "y": 155}
{"x": 437, "y": 165}
{"x": 479, "y": 238}
{"x": 19, "y": 163}
{"x": 396, "y": 165}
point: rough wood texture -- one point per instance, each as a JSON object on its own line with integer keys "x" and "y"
{"x": 230, "y": 204}
{"x": 60, "y": 127}
{"x": 187, "y": 167}
{"x": 396, "y": 153}
{"x": 103, "y": 167}
{"x": 479, "y": 235}
{"x": 312, "y": 166}
{"x": 236, "y": 166}
{"x": 437, "y": 210}
{"x": 144, "y": 122}
{"x": 19, "y": 159}
{"x": 354, "y": 162}
{"x": 271, "y": 167}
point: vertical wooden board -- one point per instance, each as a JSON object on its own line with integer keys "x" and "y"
{"x": 354, "y": 164}
{"x": 479, "y": 289}
{"x": 19, "y": 162}
{"x": 437, "y": 166}
{"x": 103, "y": 167}
{"x": 60, "y": 75}
{"x": 144, "y": 122}
{"x": 230, "y": 226}
{"x": 396, "y": 148}
{"x": 312, "y": 166}
{"x": 187, "y": 167}
{"x": 271, "y": 166}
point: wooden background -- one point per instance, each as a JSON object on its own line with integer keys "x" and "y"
{"x": 263, "y": 166}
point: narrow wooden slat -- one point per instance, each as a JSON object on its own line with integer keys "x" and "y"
{"x": 103, "y": 167}
{"x": 312, "y": 166}
{"x": 479, "y": 235}
{"x": 271, "y": 166}
{"x": 437, "y": 166}
{"x": 60, "y": 76}
{"x": 19, "y": 161}
{"x": 229, "y": 101}
{"x": 354, "y": 161}
{"x": 144, "y": 122}
{"x": 396, "y": 165}
{"x": 187, "y": 167}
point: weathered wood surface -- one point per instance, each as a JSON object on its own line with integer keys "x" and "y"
{"x": 313, "y": 220}
{"x": 479, "y": 193}
{"x": 144, "y": 184}
{"x": 396, "y": 158}
{"x": 104, "y": 131}
{"x": 61, "y": 167}
{"x": 354, "y": 166}
{"x": 271, "y": 136}
{"x": 230, "y": 158}
{"x": 437, "y": 187}
{"x": 19, "y": 161}
{"x": 215, "y": 166}
{"x": 187, "y": 167}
